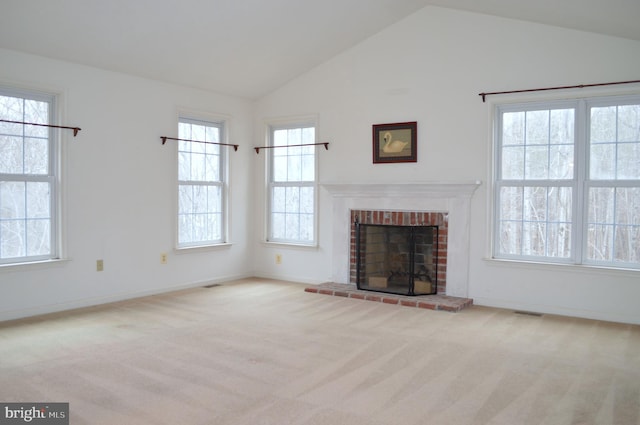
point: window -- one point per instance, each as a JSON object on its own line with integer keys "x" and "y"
{"x": 28, "y": 178}
{"x": 201, "y": 183}
{"x": 567, "y": 183}
{"x": 292, "y": 184}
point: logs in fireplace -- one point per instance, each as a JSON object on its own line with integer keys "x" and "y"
{"x": 397, "y": 259}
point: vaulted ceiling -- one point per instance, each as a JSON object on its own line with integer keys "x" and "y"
{"x": 249, "y": 48}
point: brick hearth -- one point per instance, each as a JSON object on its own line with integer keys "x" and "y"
{"x": 431, "y": 302}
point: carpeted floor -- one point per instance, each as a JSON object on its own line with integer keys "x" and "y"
{"x": 265, "y": 352}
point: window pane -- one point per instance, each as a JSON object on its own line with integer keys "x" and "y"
{"x": 12, "y": 200}
{"x": 600, "y": 242}
{"x": 308, "y": 168}
{"x": 603, "y": 162}
{"x": 601, "y": 205}
{"x": 36, "y": 156}
{"x": 292, "y": 223}
{"x": 278, "y": 199}
{"x": 560, "y": 204}
{"x": 280, "y": 168}
{"x": 629, "y": 123}
{"x": 11, "y": 155}
{"x": 38, "y": 237}
{"x": 13, "y": 241}
{"x": 628, "y": 205}
{"x": 534, "y": 238}
{"x": 537, "y": 128}
{"x": 628, "y": 161}
{"x": 513, "y": 163}
{"x": 306, "y": 227}
{"x": 561, "y": 162}
{"x": 511, "y": 237}
{"x": 535, "y": 205}
{"x": 214, "y": 199}
{"x": 562, "y": 126}
{"x": 185, "y": 227}
{"x": 278, "y": 226}
{"x": 511, "y": 203}
{"x": 292, "y": 202}
{"x": 603, "y": 124}
{"x": 627, "y": 248}
{"x": 513, "y": 128}
{"x": 36, "y": 112}
{"x": 294, "y": 168}
{"x": 307, "y": 200}
{"x": 38, "y": 202}
{"x": 559, "y": 238}
{"x": 537, "y": 162}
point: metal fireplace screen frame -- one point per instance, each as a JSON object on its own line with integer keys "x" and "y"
{"x": 397, "y": 259}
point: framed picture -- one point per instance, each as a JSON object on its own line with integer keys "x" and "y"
{"x": 396, "y": 142}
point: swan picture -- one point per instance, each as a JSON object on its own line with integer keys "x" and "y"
{"x": 392, "y": 146}
{"x": 395, "y": 142}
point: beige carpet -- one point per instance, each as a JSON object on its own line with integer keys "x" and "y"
{"x": 265, "y": 352}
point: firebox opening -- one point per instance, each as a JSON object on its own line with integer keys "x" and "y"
{"x": 397, "y": 259}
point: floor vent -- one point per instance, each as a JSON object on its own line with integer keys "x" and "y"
{"x": 529, "y": 313}
{"x": 213, "y": 285}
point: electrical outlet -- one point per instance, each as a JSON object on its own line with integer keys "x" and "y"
{"x": 99, "y": 265}
{"x": 278, "y": 258}
{"x": 163, "y": 258}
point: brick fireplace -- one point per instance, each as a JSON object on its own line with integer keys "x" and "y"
{"x": 442, "y": 202}
{"x": 405, "y": 218}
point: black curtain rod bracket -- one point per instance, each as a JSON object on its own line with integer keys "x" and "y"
{"x": 165, "y": 138}
{"x": 580, "y": 86}
{"x": 325, "y": 144}
{"x": 75, "y": 129}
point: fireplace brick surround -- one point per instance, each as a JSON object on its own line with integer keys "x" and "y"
{"x": 404, "y": 218}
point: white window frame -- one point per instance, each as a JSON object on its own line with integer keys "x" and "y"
{"x": 221, "y": 123}
{"x": 271, "y": 127}
{"x": 52, "y": 177}
{"x": 579, "y": 183}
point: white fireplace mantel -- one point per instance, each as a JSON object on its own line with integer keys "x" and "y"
{"x": 452, "y": 198}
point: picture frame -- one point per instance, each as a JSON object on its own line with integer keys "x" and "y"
{"x": 396, "y": 142}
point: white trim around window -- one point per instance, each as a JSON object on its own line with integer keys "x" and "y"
{"x": 202, "y": 182}
{"x": 567, "y": 182}
{"x": 291, "y": 182}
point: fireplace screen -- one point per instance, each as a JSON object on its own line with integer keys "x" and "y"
{"x": 397, "y": 259}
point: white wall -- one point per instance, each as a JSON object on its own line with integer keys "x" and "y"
{"x": 430, "y": 68}
{"x": 120, "y": 190}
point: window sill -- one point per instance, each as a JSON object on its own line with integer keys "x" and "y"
{"x": 196, "y": 248}
{"x": 577, "y": 268}
{"x": 33, "y": 265}
{"x": 291, "y": 245}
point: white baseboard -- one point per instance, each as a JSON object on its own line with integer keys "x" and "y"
{"x": 288, "y": 278}
{"x": 95, "y": 301}
{"x": 560, "y": 311}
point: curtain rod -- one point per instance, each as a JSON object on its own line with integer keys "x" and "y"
{"x": 75, "y": 129}
{"x": 580, "y": 86}
{"x": 257, "y": 148}
{"x": 165, "y": 138}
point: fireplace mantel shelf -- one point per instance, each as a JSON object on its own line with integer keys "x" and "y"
{"x": 433, "y": 189}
